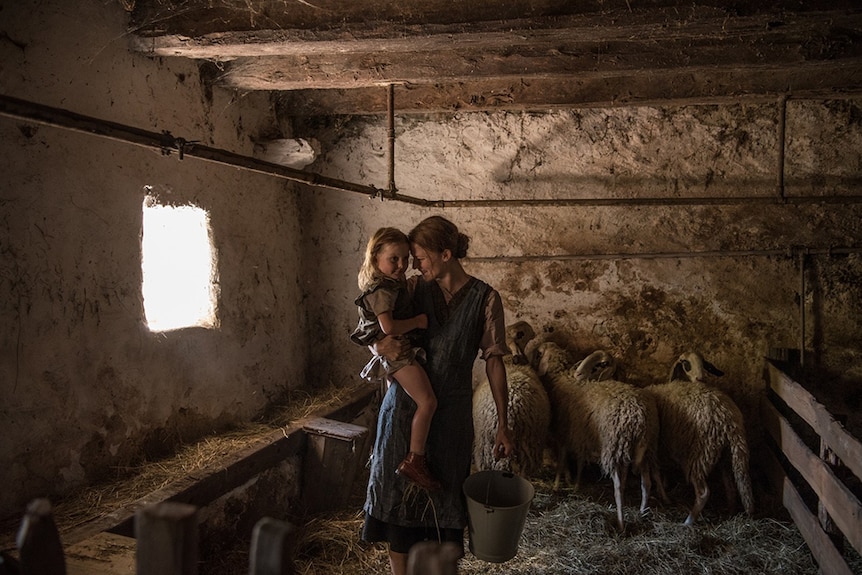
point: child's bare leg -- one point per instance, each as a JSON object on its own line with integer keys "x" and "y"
{"x": 415, "y": 382}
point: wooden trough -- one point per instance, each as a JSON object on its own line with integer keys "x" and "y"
{"x": 815, "y": 482}
{"x": 158, "y": 532}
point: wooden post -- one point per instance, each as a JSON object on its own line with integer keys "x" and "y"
{"x": 271, "y": 545}
{"x": 432, "y": 558}
{"x": 38, "y": 541}
{"x": 167, "y": 539}
{"x": 330, "y": 463}
{"x": 834, "y": 463}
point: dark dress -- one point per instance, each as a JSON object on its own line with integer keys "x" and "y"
{"x": 451, "y": 342}
{"x": 394, "y": 297}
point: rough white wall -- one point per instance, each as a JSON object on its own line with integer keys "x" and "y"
{"x": 86, "y": 387}
{"x": 601, "y": 276}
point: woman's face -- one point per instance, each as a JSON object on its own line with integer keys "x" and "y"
{"x": 430, "y": 264}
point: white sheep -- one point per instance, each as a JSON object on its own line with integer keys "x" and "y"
{"x": 529, "y": 411}
{"x": 699, "y": 425}
{"x": 602, "y": 421}
{"x": 601, "y": 366}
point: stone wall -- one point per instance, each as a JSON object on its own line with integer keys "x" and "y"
{"x": 646, "y": 281}
{"x": 88, "y": 390}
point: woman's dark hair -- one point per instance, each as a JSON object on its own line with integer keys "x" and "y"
{"x": 436, "y": 233}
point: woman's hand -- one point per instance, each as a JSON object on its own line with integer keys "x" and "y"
{"x": 392, "y": 347}
{"x": 504, "y": 444}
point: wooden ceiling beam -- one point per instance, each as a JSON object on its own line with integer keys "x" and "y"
{"x": 501, "y": 35}
{"x": 534, "y": 61}
{"x": 658, "y": 55}
{"x": 678, "y": 86}
{"x": 196, "y": 18}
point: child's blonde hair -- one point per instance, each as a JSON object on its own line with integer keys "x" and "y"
{"x": 369, "y": 273}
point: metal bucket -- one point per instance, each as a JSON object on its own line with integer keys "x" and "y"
{"x": 497, "y": 505}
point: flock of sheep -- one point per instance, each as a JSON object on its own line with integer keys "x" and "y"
{"x": 578, "y": 409}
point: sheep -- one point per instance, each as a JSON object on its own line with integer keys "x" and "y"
{"x": 699, "y": 425}
{"x": 529, "y": 411}
{"x": 603, "y": 421}
{"x": 601, "y": 366}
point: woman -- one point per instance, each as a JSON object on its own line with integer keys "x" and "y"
{"x": 465, "y": 315}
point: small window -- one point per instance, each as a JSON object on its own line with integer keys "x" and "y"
{"x": 179, "y": 267}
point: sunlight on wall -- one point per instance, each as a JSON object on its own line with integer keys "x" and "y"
{"x": 179, "y": 267}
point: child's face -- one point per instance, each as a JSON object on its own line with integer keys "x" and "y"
{"x": 393, "y": 260}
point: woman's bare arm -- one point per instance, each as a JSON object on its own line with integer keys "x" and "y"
{"x": 495, "y": 369}
{"x": 392, "y": 326}
{"x": 392, "y": 347}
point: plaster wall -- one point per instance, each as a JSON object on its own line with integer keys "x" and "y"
{"x": 644, "y": 281}
{"x": 88, "y": 391}
{"x": 87, "y": 388}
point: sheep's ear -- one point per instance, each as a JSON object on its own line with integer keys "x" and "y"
{"x": 712, "y": 369}
{"x": 676, "y": 372}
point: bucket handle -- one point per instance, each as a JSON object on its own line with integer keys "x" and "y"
{"x": 488, "y": 508}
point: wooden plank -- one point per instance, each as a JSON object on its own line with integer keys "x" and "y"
{"x": 39, "y": 544}
{"x": 194, "y": 18}
{"x": 655, "y": 56}
{"x": 102, "y": 554}
{"x": 682, "y": 86}
{"x": 167, "y": 539}
{"x": 661, "y": 34}
{"x": 418, "y": 68}
{"x": 330, "y": 463}
{"x": 829, "y": 458}
{"x": 538, "y": 53}
{"x": 271, "y": 545}
{"x": 837, "y": 438}
{"x": 827, "y": 556}
{"x": 837, "y": 499}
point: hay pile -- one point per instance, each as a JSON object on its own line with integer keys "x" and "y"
{"x": 131, "y": 483}
{"x": 574, "y": 534}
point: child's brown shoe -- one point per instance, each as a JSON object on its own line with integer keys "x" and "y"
{"x": 414, "y": 468}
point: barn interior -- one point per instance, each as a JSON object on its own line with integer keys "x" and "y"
{"x": 641, "y": 176}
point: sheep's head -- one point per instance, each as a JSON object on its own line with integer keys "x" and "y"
{"x": 549, "y": 357}
{"x": 693, "y": 367}
{"x": 530, "y": 350}
{"x": 518, "y": 335}
{"x": 598, "y": 366}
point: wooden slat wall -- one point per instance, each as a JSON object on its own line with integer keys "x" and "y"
{"x": 845, "y": 446}
{"x": 818, "y": 541}
{"x": 843, "y": 506}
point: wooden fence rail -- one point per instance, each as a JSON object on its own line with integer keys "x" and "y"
{"x": 838, "y": 514}
{"x": 166, "y": 543}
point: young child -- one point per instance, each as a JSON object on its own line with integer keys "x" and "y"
{"x": 385, "y": 308}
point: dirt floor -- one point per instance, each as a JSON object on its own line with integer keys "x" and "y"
{"x": 575, "y": 533}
